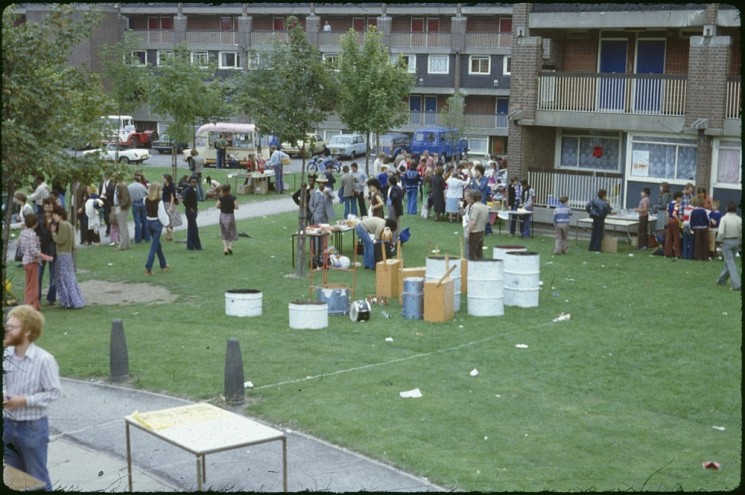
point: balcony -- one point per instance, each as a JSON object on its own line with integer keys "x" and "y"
{"x": 155, "y": 38}
{"x": 733, "y": 103}
{"x": 631, "y": 94}
{"x": 420, "y": 40}
{"x": 215, "y": 38}
{"x": 331, "y": 40}
{"x": 478, "y": 42}
{"x": 487, "y": 123}
{"x": 267, "y": 38}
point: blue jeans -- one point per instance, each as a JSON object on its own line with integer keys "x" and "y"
{"x": 279, "y": 183}
{"x": 154, "y": 228}
{"x": 25, "y": 447}
{"x": 687, "y": 241}
{"x": 729, "y": 253}
{"x": 368, "y": 259}
{"x": 526, "y": 219}
{"x": 52, "y": 294}
{"x": 513, "y": 221}
{"x": 140, "y": 218}
{"x": 350, "y": 206}
{"x": 411, "y": 199}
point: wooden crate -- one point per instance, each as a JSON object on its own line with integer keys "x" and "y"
{"x": 245, "y": 189}
{"x": 388, "y": 279}
{"x": 439, "y": 301}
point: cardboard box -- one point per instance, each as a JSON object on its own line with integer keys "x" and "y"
{"x": 439, "y": 301}
{"x": 245, "y": 188}
{"x": 609, "y": 244}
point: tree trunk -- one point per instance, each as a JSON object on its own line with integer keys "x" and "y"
{"x": 302, "y": 221}
{"x": 10, "y": 188}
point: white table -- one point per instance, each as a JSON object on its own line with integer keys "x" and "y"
{"x": 203, "y": 429}
{"x": 629, "y": 223}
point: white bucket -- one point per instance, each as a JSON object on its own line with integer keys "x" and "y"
{"x": 309, "y": 315}
{"x": 522, "y": 279}
{"x": 500, "y": 251}
{"x": 243, "y": 302}
{"x": 436, "y": 267}
{"x": 485, "y": 288}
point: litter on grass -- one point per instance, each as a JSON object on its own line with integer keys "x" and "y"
{"x": 712, "y": 465}
{"x": 521, "y": 346}
{"x": 474, "y": 372}
{"x": 411, "y": 394}
{"x": 248, "y": 385}
{"x": 389, "y": 339}
{"x": 720, "y": 428}
{"x": 562, "y": 317}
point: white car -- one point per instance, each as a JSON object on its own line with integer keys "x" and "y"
{"x": 313, "y": 145}
{"x": 126, "y": 155}
{"x": 348, "y": 145}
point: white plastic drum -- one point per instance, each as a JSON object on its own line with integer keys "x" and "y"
{"x": 243, "y": 302}
{"x": 500, "y": 251}
{"x": 360, "y": 310}
{"x": 309, "y": 315}
{"x": 522, "y": 279}
{"x": 436, "y": 267}
{"x": 485, "y": 288}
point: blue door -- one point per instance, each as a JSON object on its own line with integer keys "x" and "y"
{"x": 650, "y": 59}
{"x": 415, "y": 110}
{"x": 612, "y": 61}
{"x": 430, "y": 110}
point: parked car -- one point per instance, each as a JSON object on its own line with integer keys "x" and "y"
{"x": 314, "y": 144}
{"x": 392, "y": 143}
{"x": 437, "y": 139}
{"x": 348, "y": 145}
{"x": 164, "y": 144}
{"x": 125, "y": 155}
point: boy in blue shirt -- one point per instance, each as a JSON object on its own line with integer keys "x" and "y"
{"x": 562, "y": 214}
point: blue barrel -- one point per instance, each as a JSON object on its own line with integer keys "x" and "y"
{"x": 413, "y": 298}
{"x": 336, "y": 296}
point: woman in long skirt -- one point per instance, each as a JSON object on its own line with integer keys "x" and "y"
{"x": 227, "y": 203}
{"x": 63, "y": 233}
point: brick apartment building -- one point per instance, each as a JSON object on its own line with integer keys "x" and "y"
{"x": 576, "y": 96}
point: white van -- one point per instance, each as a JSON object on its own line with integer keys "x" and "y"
{"x": 243, "y": 140}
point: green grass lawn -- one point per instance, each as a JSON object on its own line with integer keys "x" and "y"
{"x": 623, "y": 396}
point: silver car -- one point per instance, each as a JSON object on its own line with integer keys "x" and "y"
{"x": 348, "y": 145}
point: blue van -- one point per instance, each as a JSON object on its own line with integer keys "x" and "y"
{"x": 392, "y": 143}
{"x": 441, "y": 140}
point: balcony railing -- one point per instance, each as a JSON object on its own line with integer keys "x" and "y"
{"x": 470, "y": 120}
{"x": 639, "y": 94}
{"x": 268, "y": 37}
{"x": 154, "y": 36}
{"x": 733, "y": 103}
{"x": 488, "y": 40}
{"x": 549, "y": 185}
{"x": 204, "y": 37}
{"x": 332, "y": 39}
{"x": 420, "y": 40}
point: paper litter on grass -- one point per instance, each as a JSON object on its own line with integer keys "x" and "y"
{"x": 521, "y": 346}
{"x": 474, "y": 372}
{"x": 411, "y": 394}
{"x": 389, "y": 339}
{"x": 720, "y": 428}
{"x": 562, "y": 317}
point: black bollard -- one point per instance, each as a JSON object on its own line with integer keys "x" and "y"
{"x": 118, "y": 358}
{"x": 234, "y": 391}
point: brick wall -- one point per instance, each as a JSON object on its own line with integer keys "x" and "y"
{"x": 580, "y": 55}
{"x": 676, "y": 56}
{"x": 707, "y": 79}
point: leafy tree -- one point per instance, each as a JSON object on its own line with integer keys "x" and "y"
{"x": 453, "y": 116}
{"x": 373, "y": 91}
{"x": 125, "y": 77}
{"x": 186, "y": 92}
{"x": 287, "y": 96}
{"x": 47, "y": 104}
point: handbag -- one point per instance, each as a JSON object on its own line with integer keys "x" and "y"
{"x": 19, "y": 253}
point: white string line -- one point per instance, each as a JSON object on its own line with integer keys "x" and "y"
{"x": 385, "y": 363}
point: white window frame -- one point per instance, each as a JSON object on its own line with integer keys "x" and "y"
{"x": 238, "y": 60}
{"x": 434, "y": 60}
{"x": 658, "y": 139}
{"x": 140, "y": 61}
{"x": 507, "y": 65}
{"x": 481, "y": 58}
{"x": 200, "y": 58}
{"x": 581, "y": 135}
{"x": 477, "y": 145}
{"x": 333, "y": 59}
{"x": 162, "y": 56}
{"x": 717, "y": 145}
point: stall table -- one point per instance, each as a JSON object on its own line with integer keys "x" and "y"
{"x": 627, "y": 223}
{"x": 20, "y": 481}
{"x": 203, "y": 429}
